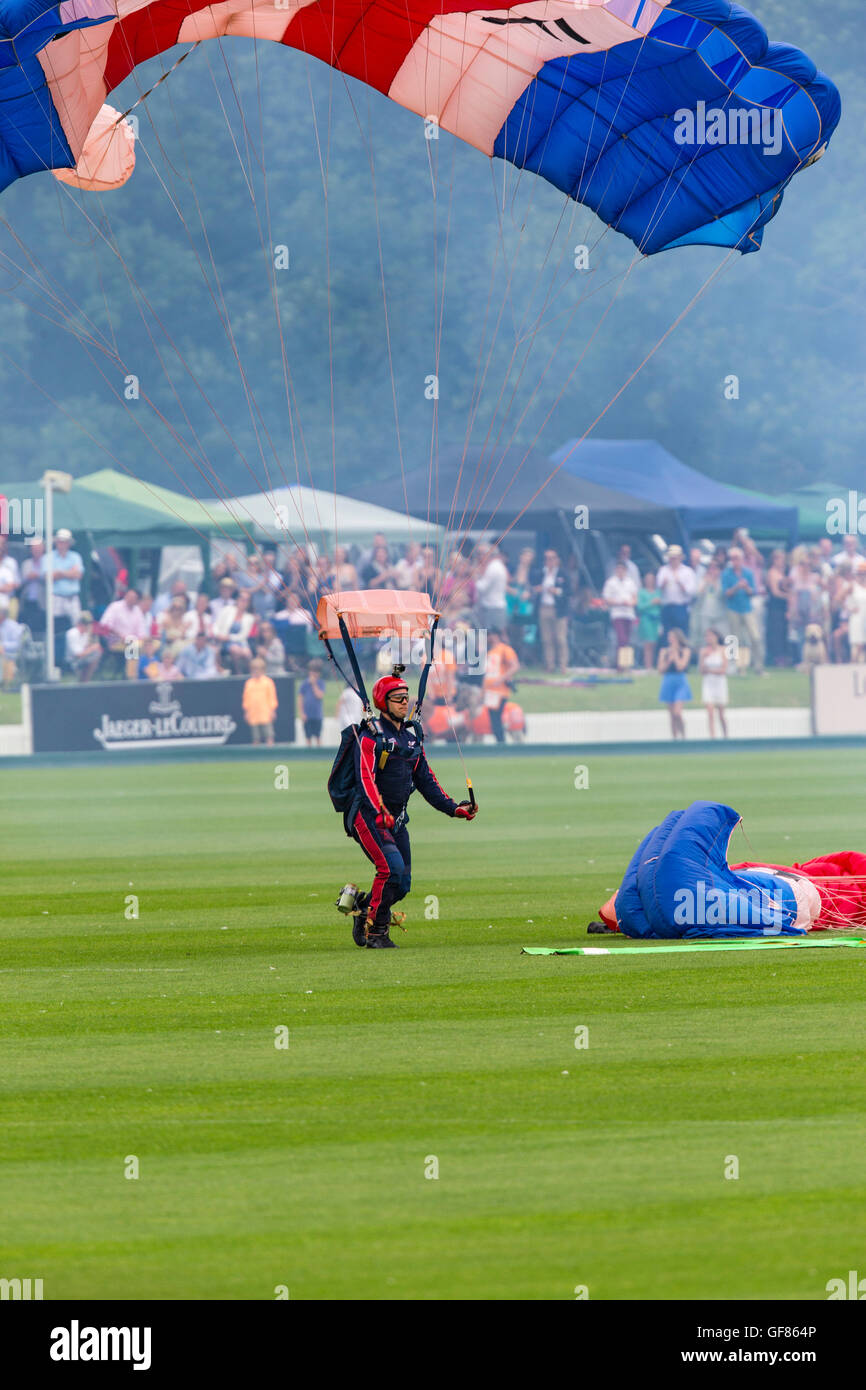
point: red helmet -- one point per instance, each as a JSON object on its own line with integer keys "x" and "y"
{"x": 385, "y": 687}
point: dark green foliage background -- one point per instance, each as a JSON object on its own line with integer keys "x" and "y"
{"x": 786, "y": 321}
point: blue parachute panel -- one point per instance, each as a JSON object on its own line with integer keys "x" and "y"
{"x": 678, "y": 884}
{"x": 609, "y": 128}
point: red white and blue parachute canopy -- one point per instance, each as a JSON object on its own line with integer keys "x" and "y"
{"x": 677, "y": 121}
{"x": 374, "y": 612}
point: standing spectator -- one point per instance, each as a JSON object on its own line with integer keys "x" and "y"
{"x": 714, "y": 681}
{"x": 31, "y": 608}
{"x": 857, "y": 615}
{"x": 738, "y": 588}
{"x": 64, "y": 570}
{"x": 841, "y": 586}
{"x": 502, "y": 665}
{"x": 10, "y": 575}
{"x": 624, "y": 555}
{"x": 162, "y": 601}
{"x": 126, "y": 628}
{"x": 459, "y": 594}
{"x": 380, "y": 542}
{"x": 649, "y": 620}
{"x": 675, "y": 691}
{"x": 234, "y": 627}
{"x": 225, "y": 596}
{"x": 83, "y": 648}
{"x": 407, "y": 571}
{"x": 709, "y": 608}
{"x": 263, "y": 599}
{"x": 273, "y": 579}
{"x": 804, "y": 602}
{"x": 312, "y": 695}
{"x": 620, "y": 596}
{"x": 271, "y": 650}
{"x": 151, "y": 623}
{"x": 177, "y": 626}
{"x": 850, "y": 551}
{"x": 678, "y": 586}
{"x": 491, "y": 587}
{"x": 551, "y": 591}
{"x": 778, "y": 593}
{"x": 350, "y": 707}
{"x": 11, "y": 632}
{"x": 378, "y": 573}
{"x": 260, "y": 703}
{"x": 201, "y": 620}
{"x": 344, "y": 576}
{"x": 521, "y": 606}
{"x": 197, "y": 661}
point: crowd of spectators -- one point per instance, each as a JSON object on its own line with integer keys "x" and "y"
{"x": 804, "y": 607}
{"x": 782, "y": 609}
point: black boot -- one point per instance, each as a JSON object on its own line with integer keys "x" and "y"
{"x": 359, "y": 919}
{"x": 377, "y": 939}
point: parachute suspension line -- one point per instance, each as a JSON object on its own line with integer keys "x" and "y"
{"x": 385, "y": 306}
{"x": 144, "y": 95}
{"x": 360, "y": 689}
{"x": 638, "y": 256}
{"x": 520, "y": 333}
{"x": 109, "y": 453}
{"x": 111, "y": 242}
{"x": 222, "y": 307}
{"x": 683, "y": 313}
{"x": 224, "y": 315}
{"x": 425, "y": 673}
{"x": 480, "y": 500}
{"x": 292, "y": 409}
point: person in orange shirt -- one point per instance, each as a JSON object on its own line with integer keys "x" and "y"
{"x": 442, "y": 679}
{"x": 260, "y": 703}
{"x": 502, "y": 664}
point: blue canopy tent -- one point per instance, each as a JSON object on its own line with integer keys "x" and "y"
{"x": 643, "y": 469}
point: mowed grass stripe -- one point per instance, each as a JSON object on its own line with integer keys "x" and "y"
{"x": 155, "y": 1037}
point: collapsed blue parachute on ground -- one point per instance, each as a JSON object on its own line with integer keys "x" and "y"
{"x": 678, "y": 883}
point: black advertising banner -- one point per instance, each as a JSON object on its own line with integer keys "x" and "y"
{"x": 125, "y": 716}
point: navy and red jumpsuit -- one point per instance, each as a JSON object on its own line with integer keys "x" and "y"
{"x": 406, "y": 769}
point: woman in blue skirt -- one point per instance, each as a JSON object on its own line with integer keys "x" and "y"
{"x": 673, "y": 663}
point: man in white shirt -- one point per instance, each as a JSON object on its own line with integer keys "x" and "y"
{"x": 10, "y": 575}
{"x": 620, "y": 595}
{"x": 83, "y": 648}
{"x": 678, "y": 585}
{"x": 491, "y": 586}
{"x": 850, "y": 551}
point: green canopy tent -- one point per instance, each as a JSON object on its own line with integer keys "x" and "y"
{"x": 205, "y": 519}
{"x": 95, "y": 519}
{"x": 811, "y": 503}
{"x": 199, "y": 515}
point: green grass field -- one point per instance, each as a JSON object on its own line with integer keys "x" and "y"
{"x": 304, "y": 1167}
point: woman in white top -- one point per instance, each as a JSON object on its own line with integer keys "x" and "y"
{"x": 714, "y": 680}
{"x": 856, "y": 605}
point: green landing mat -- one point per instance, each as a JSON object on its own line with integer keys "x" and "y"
{"x": 759, "y": 944}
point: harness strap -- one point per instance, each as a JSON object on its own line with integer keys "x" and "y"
{"x": 422, "y": 684}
